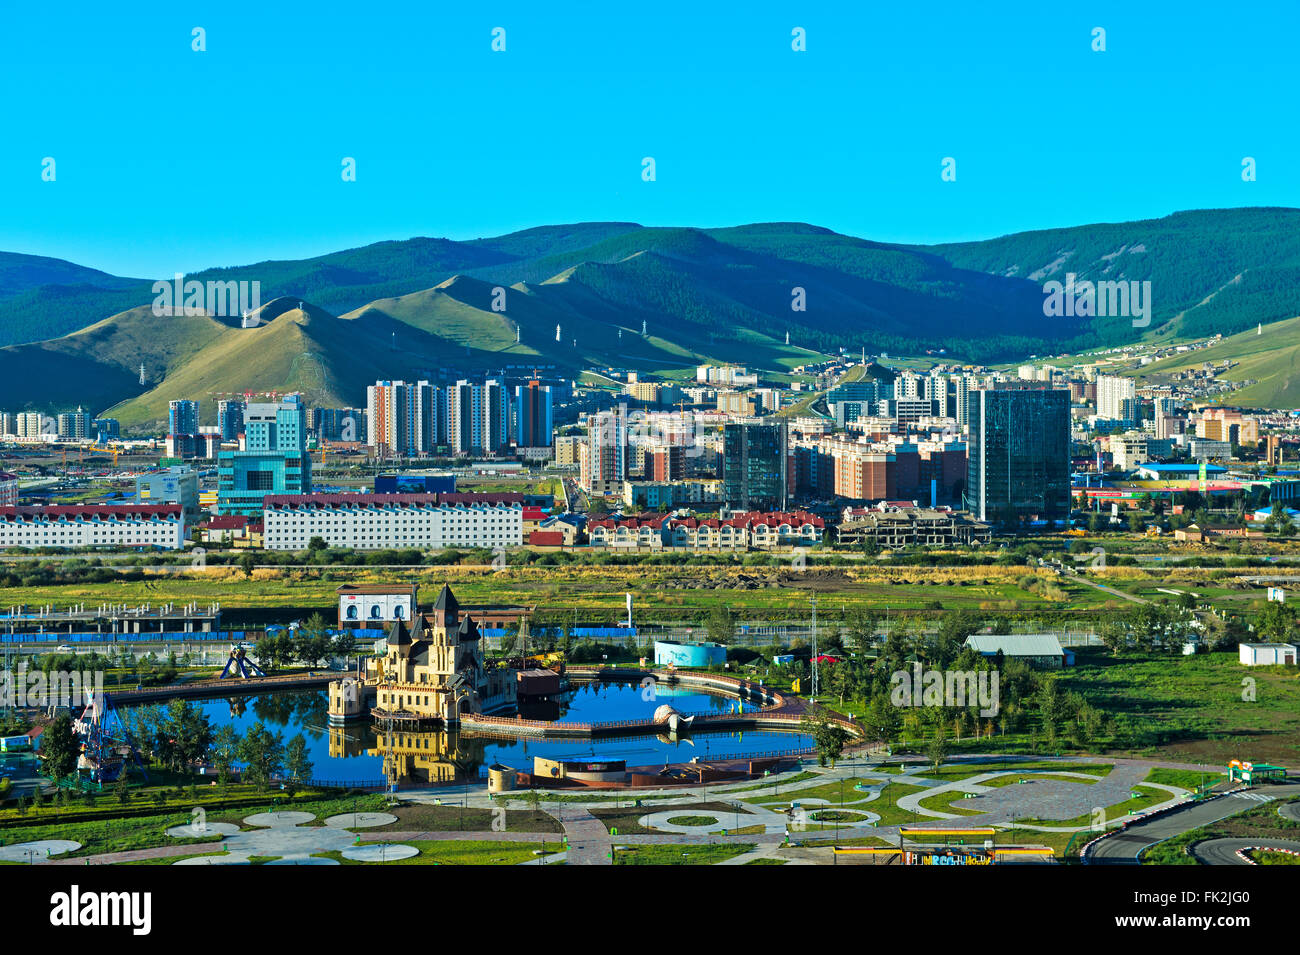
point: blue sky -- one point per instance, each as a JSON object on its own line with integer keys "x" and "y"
{"x": 171, "y": 160}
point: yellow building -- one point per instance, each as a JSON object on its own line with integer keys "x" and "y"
{"x": 433, "y": 670}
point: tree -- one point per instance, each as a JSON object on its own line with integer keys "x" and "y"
{"x": 263, "y": 752}
{"x": 225, "y": 746}
{"x": 722, "y": 625}
{"x": 296, "y": 761}
{"x": 313, "y": 643}
{"x": 182, "y": 736}
{"x": 247, "y": 562}
{"x": 1276, "y": 621}
{"x": 344, "y": 644}
{"x": 59, "y": 747}
{"x": 881, "y": 719}
{"x": 828, "y": 737}
{"x": 1114, "y": 635}
{"x": 937, "y": 749}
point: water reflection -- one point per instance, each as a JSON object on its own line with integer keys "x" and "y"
{"x": 364, "y": 753}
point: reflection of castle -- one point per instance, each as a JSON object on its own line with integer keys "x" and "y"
{"x": 412, "y": 757}
{"x": 433, "y": 670}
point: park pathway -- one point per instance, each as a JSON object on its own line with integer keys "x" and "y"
{"x": 589, "y": 841}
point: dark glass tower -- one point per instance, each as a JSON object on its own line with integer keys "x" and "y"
{"x": 1018, "y": 464}
{"x": 754, "y": 466}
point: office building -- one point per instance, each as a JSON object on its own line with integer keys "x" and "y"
{"x": 272, "y": 461}
{"x": 755, "y": 468}
{"x": 1018, "y": 465}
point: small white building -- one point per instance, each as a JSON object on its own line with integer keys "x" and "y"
{"x": 1268, "y": 654}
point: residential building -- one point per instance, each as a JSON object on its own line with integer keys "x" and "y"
{"x": 230, "y": 419}
{"x": 74, "y": 426}
{"x": 93, "y": 525}
{"x": 478, "y": 417}
{"x": 182, "y": 417}
{"x": 393, "y": 521}
{"x": 533, "y": 415}
{"x": 893, "y": 526}
{"x": 603, "y": 462}
{"x": 1112, "y": 394}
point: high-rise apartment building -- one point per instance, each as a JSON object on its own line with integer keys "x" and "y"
{"x": 182, "y": 417}
{"x": 478, "y": 417}
{"x": 532, "y": 415}
{"x": 1112, "y": 393}
{"x": 230, "y": 419}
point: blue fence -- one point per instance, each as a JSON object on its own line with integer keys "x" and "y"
{"x": 233, "y": 636}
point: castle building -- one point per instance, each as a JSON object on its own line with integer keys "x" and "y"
{"x": 432, "y": 671}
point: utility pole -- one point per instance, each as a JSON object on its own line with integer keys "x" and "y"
{"x": 815, "y": 680}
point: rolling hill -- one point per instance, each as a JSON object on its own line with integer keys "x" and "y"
{"x": 430, "y": 307}
{"x": 1270, "y": 358}
{"x": 1212, "y": 271}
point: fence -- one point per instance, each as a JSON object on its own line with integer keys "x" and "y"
{"x": 169, "y": 636}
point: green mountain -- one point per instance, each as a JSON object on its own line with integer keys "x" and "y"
{"x": 1212, "y": 271}
{"x": 437, "y": 308}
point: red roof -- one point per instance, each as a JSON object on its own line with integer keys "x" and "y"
{"x": 73, "y": 511}
{"x": 388, "y": 500}
{"x": 773, "y": 519}
{"x": 654, "y": 521}
{"x": 546, "y": 538}
{"x": 226, "y": 522}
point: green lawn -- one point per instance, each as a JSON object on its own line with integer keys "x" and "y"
{"x": 680, "y": 854}
{"x": 1183, "y": 778}
{"x": 954, "y": 800}
{"x": 457, "y": 852}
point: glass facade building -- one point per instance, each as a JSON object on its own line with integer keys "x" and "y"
{"x": 1018, "y": 464}
{"x": 755, "y": 466}
{"x": 274, "y": 459}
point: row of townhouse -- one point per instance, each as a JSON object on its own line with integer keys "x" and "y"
{"x": 391, "y": 521}
{"x": 756, "y": 531}
{"x": 93, "y": 525}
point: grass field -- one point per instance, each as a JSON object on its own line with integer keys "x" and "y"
{"x": 680, "y": 854}
{"x": 1194, "y": 709}
{"x": 658, "y": 590}
{"x": 456, "y": 852}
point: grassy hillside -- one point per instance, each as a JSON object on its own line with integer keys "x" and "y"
{"x": 424, "y": 307}
{"x": 1270, "y": 359}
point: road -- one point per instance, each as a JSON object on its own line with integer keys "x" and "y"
{"x": 1126, "y": 847}
{"x": 1224, "y": 851}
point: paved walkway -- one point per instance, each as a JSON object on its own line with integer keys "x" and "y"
{"x": 589, "y": 840}
{"x": 590, "y": 843}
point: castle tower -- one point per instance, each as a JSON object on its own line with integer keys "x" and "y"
{"x": 446, "y": 612}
